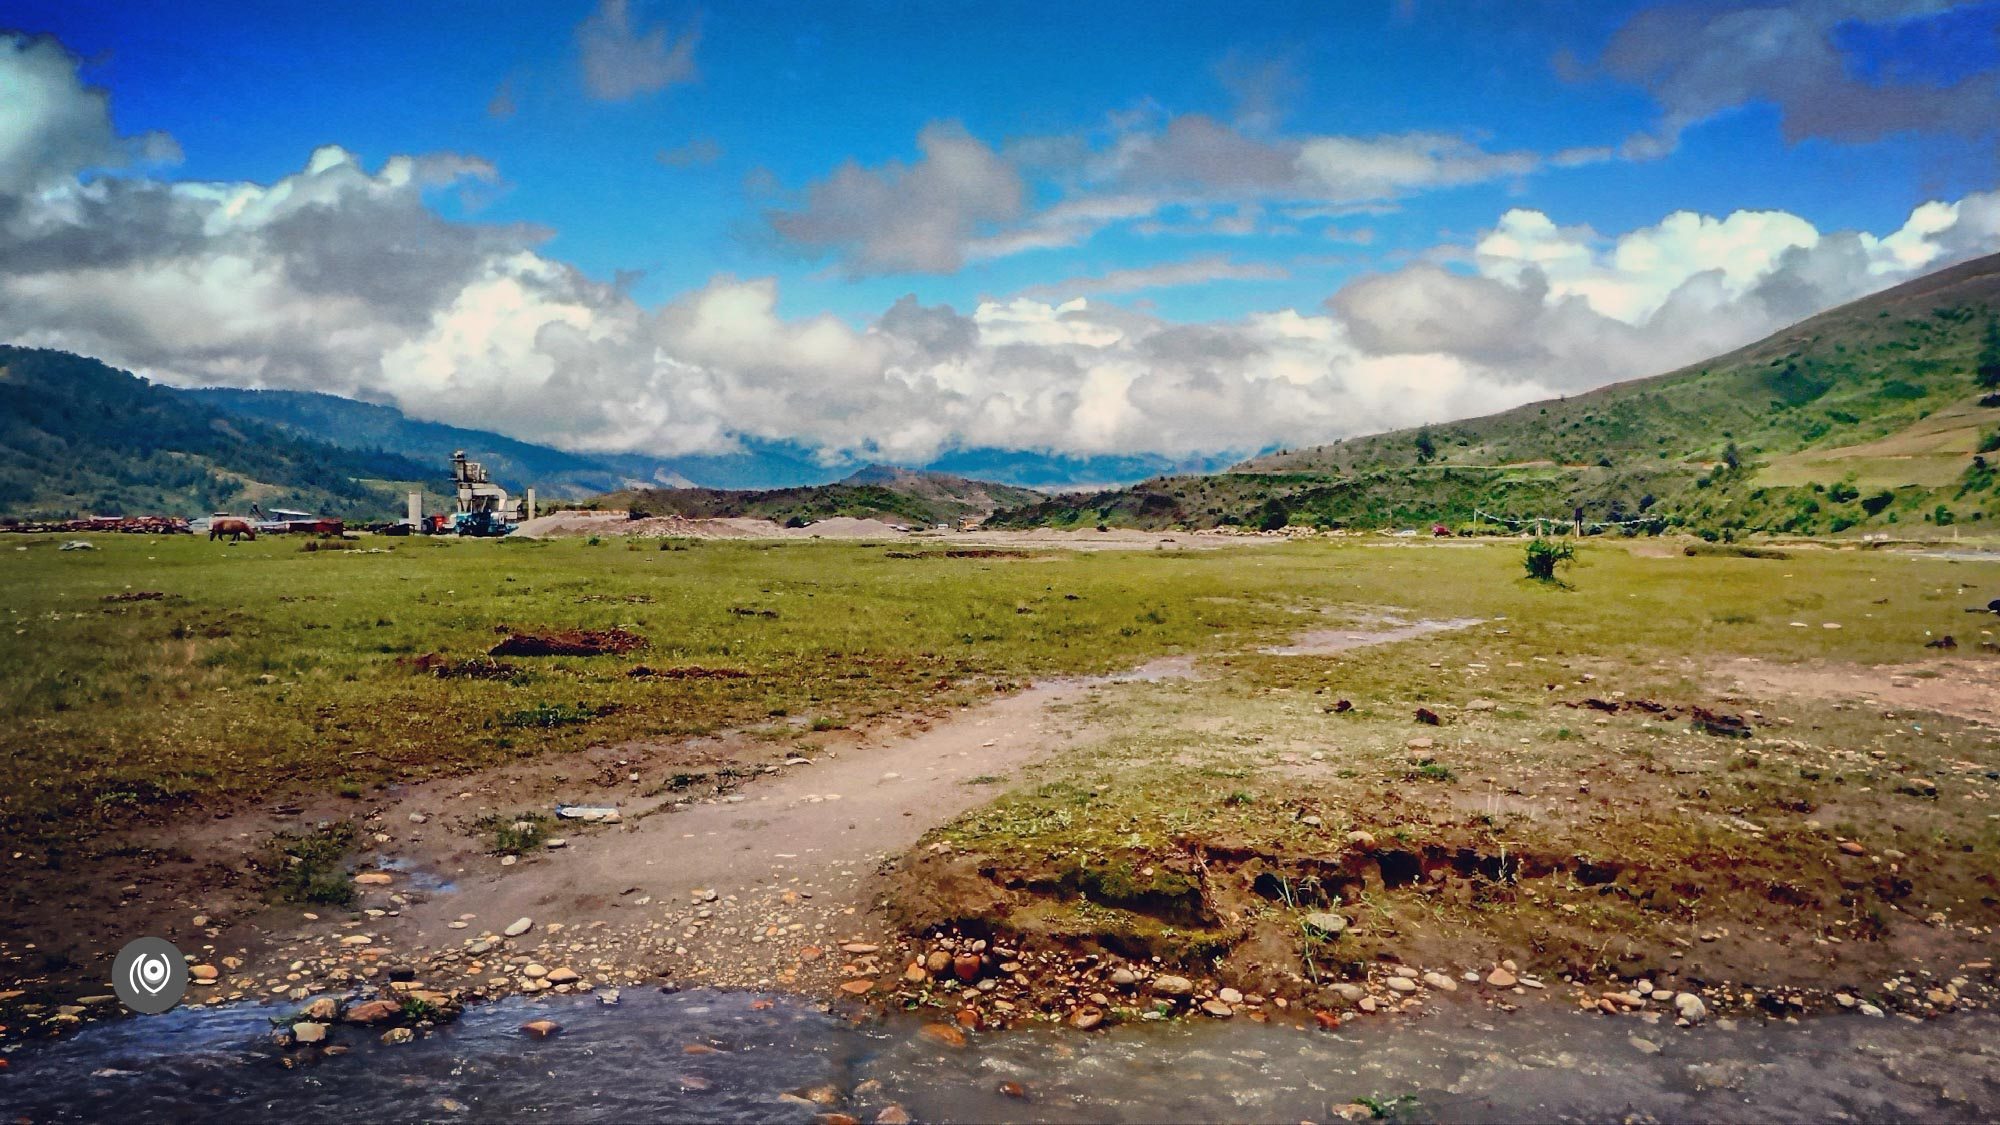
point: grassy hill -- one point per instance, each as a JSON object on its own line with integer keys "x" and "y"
{"x": 898, "y": 495}
{"x": 79, "y": 437}
{"x": 1868, "y": 415}
{"x": 370, "y": 427}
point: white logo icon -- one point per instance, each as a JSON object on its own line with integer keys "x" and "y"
{"x": 151, "y": 974}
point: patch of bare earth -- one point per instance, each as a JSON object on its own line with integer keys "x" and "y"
{"x": 1963, "y": 689}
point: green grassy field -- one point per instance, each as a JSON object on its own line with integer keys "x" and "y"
{"x": 266, "y": 668}
{"x": 1219, "y": 811}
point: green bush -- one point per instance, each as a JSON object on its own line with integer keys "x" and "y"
{"x": 1544, "y": 556}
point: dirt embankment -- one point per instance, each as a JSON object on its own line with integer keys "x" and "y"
{"x": 572, "y": 524}
{"x": 577, "y": 524}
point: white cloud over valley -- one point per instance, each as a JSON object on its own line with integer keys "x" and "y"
{"x": 343, "y": 278}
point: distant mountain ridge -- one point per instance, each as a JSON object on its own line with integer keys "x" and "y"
{"x": 558, "y": 474}
{"x": 1868, "y": 415}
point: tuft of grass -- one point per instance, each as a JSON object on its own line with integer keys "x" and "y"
{"x": 547, "y": 715}
{"x": 1429, "y": 769}
{"x": 310, "y": 867}
{"x": 518, "y": 834}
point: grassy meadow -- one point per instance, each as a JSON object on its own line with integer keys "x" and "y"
{"x": 1214, "y": 814}
{"x": 265, "y": 668}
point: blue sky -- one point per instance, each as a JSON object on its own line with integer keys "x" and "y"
{"x": 1249, "y": 162}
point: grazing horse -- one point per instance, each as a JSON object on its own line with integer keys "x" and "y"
{"x": 234, "y": 528}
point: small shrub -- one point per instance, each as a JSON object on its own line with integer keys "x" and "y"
{"x": 1544, "y": 556}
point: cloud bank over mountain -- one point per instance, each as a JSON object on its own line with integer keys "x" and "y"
{"x": 344, "y": 278}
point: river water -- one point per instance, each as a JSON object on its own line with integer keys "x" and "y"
{"x": 632, "y": 1062}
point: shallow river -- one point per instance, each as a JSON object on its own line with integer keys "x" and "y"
{"x": 630, "y": 1062}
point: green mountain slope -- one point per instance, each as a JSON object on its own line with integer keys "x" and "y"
{"x": 79, "y": 437}
{"x": 369, "y": 427}
{"x": 906, "y": 496}
{"x": 1866, "y": 415}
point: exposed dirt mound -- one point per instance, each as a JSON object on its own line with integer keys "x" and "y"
{"x": 575, "y": 642}
{"x": 687, "y": 672}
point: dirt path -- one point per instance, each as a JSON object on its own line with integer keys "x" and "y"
{"x": 767, "y": 883}
{"x": 758, "y": 886}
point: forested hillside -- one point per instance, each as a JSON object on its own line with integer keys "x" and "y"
{"x": 79, "y": 437}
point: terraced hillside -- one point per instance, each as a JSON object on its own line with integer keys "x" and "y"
{"x": 1884, "y": 411}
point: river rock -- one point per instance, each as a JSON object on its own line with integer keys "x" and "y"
{"x": 303, "y": 1033}
{"x": 1326, "y": 924}
{"x": 372, "y": 1011}
{"x": 966, "y": 966}
{"x": 1124, "y": 978}
{"x": 822, "y": 1095}
{"x": 541, "y": 1029}
{"x": 374, "y": 878}
{"x": 323, "y": 1009}
{"x": 1401, "y": 984}
{"x": 397, "y": 1035}
{"x": 944, "y": 1033}
{"x": 1350, "y": 992}
{"x": 534, "y": 970}
{"x": 1218, "y": 1009}
{"x": 1690, "y": 1007}
{"x": 1440, "y": 982}
{"x": 938, "y": 961}
{"x": 1086, "y": 1018}
{"x": 204, "y": 974}
{"x": 518, "y": 927}
{"x": 1171, "y": 985}
{"x": 893, "y": 1114}
{"x": 1229, "y": 996}
{"x": 1501, "y": 978}
{"x": 562, "y": 976}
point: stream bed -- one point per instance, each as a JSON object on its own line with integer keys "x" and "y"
{"x": 732, "y": 1056}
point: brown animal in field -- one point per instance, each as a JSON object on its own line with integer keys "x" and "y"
{"x": 234, "y": 528}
